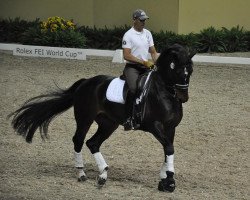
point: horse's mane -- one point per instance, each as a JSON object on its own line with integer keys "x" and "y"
{"x": 169, "y": 53}
{"x": 174, "y": 52}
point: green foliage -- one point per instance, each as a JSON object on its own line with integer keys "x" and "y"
{"x": 11, "y": 30}
{"x": 32, "y": 36}
{"x": 64, "y": 33}
{"x": 210, "y": 40}
{"x": 162, "y": 39}
{"x": 104, "y": 38}
{"x": 189, "y": 40}
{"x": 235, "y": 39}
{"x": 66, "y": 38}
{"x": 247, "y": 33}
{"x": 41, "y": 33}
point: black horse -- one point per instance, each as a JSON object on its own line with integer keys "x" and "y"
{"x": 167, "y": 91}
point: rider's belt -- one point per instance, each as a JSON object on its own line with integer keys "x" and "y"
{"x": 136, "y": 66}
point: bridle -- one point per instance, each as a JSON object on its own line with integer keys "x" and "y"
{"x": 172, "y": 88}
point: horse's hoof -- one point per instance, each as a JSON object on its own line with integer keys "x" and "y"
{"x": 100, "y": 182}
{"x": 82, "y": 179}
{"x": 166, "y": 185}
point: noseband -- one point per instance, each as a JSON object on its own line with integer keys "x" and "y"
{"x": 181, "y": 86}
{"x": 175, "y": 87}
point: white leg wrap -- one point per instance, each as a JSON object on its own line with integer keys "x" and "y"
{"x": 163, "y": 173}
{"x": 101, "y": 163}
{"x": 78, "y": 160}
{"x": 170, "y": 163}
{"x": 167, "y": 166}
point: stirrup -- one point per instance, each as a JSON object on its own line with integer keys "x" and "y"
{"x": 128, "y": 125}
{"x": 136, "y": 126}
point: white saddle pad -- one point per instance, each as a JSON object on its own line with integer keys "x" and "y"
{"x": 114, "y": 92}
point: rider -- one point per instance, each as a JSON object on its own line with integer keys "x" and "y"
{"x": 137, "y": 42}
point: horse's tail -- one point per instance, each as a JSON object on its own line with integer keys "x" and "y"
{"x": 39, "y": 111}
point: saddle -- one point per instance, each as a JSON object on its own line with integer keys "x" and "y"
{"x": 118, "y": 90}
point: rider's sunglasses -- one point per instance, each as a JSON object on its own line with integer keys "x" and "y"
{"x": 142, "y": 20}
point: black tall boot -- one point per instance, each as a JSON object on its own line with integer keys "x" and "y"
{"x": 129, "y": 106}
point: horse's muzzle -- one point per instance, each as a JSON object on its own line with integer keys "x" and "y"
{"x": 182, "y": 95}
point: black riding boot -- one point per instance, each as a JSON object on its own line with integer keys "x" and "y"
{"x": 129, "y": 106}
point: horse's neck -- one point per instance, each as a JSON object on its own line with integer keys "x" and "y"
{"x": 161, "y": 98}
{"x": 162, "y": 87}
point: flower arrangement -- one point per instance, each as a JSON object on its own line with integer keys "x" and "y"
{"x": 55, "y": 31}
{"x": 54, "y": 24}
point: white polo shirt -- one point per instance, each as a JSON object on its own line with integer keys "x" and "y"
{"x": 138, "y": 42}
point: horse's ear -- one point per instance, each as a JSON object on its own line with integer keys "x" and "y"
{"x": 191, "y": 53}
{"x": 175, "y": 49}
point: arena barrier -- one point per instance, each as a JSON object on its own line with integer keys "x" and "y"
{"x": 117, "y": 55}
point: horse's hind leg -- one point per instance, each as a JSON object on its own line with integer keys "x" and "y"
{"x": 83, "y": 122}
{"x": 78, "y": 140}
{"x": 105, "y": 128}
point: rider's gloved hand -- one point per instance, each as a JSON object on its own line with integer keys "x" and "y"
{"x": 148, "y": 64}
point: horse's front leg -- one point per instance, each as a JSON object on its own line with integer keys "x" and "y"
{"x": 167, "y": 183}
{"x": 165, "y": 135}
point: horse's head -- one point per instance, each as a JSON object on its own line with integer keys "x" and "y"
{"x": 175, "y": 66}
